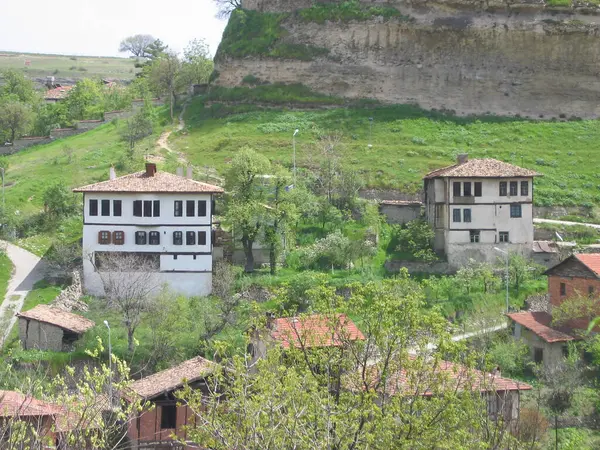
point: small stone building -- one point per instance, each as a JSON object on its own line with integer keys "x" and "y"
{"x": 48, "y": 328}
{"x": 155, "y": 428}
{"x": 400, "y": 211}
{"x": 547, "y": 345}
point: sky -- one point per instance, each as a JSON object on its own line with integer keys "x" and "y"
{"x": 95, "y": 28}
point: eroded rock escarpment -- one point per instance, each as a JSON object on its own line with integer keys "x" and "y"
{"x": 472, "y": 57}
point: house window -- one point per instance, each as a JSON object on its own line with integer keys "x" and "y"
{"x": 456, "y": 188}
{"x": 590, "y": 291}
{"x": 503, "y": 236}
{"x": 147, "y": 208}
{"x": 168, "y": 417}
{"x": 140, "y": 238}
{"x": 93, "y": 207}
{"x": 202, "y": 208}
{"x": 118, "y": 237}
{"x": 467, "y": 188}
{"x": 177, "y": 238}
{"x": 137, "y": 208}
{"x": 474, "y": 235}
{"x": 563, "y": 289}
{"x": 514, "y": 186}
{"x": 478, "y": 189}
{"x": 524, "y": 188}
{"x": 538, "y": 355}
{"x": 104, "y": 237}
{"x": 190, "y": 238}
{"x": 178, "y": 211}
{"x": 201, "y": 237}
{"x": 154, "y": 238}
{"x": 105, "y": 207}
{"x": 503, "y": 189}
{"x": 189, "y": 208}
{"x": 117, "y": 204}
{"x": 156, "y": 208}
{"x": 456, "y": 215}
{"x": 467, "y": 215}
{"x": 515, "y": 211}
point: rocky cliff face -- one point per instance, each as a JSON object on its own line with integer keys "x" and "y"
{"x": 471, "y": 57}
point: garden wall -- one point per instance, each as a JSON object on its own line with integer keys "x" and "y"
{"x": 438, "y": 268}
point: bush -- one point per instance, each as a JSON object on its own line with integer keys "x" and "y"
{"x": 415, "y": 238}
{"x": 511, "y": 356}
{"x": 58, "y": 201}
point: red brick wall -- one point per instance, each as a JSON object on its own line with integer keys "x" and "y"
{"x": 574, "y": 285}
{"x": 149, "y": 422}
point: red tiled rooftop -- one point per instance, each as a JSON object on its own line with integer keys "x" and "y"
{"x": 540, "y": 322}
{"x": 315, "y": 331}
{"x": 15, "y": 404}
{"x": 58, "y": 317}
{"x": 58, "y": 93}
{"x": 172, "y": 378}
{"x": 487, "y": 167}
{"x": 159, "y": 182}
{"x": 591, "y": 261}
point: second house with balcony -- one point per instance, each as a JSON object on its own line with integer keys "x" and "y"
{"x": 476, "y": 205}
{"x": 163, "y": 219}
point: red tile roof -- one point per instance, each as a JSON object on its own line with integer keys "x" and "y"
{"x": 15, "y": 404}
{"x": 315, "y": 331}
{"x": 539, "y": 322}
{"x": 58, "y": 93}
{"x": 482, "y": 168}
{"x": 591, "y": 261}
{"x": 172, "y": 378}
{"x": 159, "y": 182}
{"x": 58, "y": 317}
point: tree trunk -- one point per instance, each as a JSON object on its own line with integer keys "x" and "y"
{"x": 130, "y": 346}
{"x": 272, "y": 258}
{"x": 247, "y": 244}
{"x": 172, "y": 101}
{"x": 12, "y": 135}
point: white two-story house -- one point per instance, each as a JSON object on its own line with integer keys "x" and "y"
{"x": 476, "y": 205}
{"x": 166, "y": 219}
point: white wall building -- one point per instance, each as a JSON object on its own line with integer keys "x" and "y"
{"x": 165, "y": 218}
{"x": 477, "y": 205}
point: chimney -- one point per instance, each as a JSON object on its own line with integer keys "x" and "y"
{"x": 462, "y": 158}
{"x": 150, "y": 169}
{"x": 496, "y": 373}
{"x": 270, "y": 320}
{"x": 179, "y": 171}
{"x": 189, "y": 173}
{"x": 111, "y": 173}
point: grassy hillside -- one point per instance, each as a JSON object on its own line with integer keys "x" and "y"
{"x": 65, "y": 66}
{"x": 406, "y": 143}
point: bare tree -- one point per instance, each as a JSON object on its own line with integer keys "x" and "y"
{"x": 226, "y": 7}
{"x": 137, "y": 45}
{"x": 129, "y": 281}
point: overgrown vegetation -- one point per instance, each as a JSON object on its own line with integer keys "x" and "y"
{"x": 346, "y": 11}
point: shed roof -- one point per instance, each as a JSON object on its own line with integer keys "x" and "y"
{"x": 15, "y": 404}
{"x": 170, "y": 379}
{"x": 482, "y": 168}
{"x": 58, "y": 93}
{"x": 591, "y": 261}
{"x": 315, "y": 330}
{"x": 58, "y": 317}
{"x": 142, "y": 182}
{"x": 539, "y": 322}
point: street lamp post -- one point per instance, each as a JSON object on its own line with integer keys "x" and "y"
{"x": 294, "y": 147}
{"x": 506, "y": 257}
{"x": 110, "y": 386}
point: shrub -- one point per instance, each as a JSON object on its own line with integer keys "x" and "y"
{"x": 250, "y": 79}
{"x": 415, "y": 238}
{"x": 532, "y": 425}
{"x": 511, "y": 356}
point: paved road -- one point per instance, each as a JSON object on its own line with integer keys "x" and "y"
{"x": 28, "y": 270}
{"x": 564, "y": 222}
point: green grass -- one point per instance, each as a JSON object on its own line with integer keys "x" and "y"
{"x": 578, "y": 233}
{"x": 42, "y": 65}
{"x": 6, "y": 269}
{"x": 407, "y": 142}
{"x": 347, "y": 11}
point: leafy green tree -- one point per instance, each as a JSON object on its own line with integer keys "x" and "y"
{"x": 15, "y": 118}
{"x": 164, "y": 76}
{"x": 17, "y": 87}
{"x": 510, "y": 355}
{"x": 58, "y": 201}
{"x": 246, "y": 198}
{"x": 85, "y": 100}
{"x": 137, "y": 45}
{"x": 226, "y": 7}
{"x": 415, "y": 237}
{"x": 197, "y": 65}
{"x": 49, "y": 116}
{"x": 136, "y": 128}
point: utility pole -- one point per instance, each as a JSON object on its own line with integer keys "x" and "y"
{"x": 294, "y": 147}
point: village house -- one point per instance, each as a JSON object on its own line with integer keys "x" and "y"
{"x": 400, "y": 211}
{"x": 57, "y": 93}
{"x": 577, "y": 275}
{"x": 476, "y": 205}
{"x": 306, "y": 332}
{"x": 154, "y": 427}
{"x": 48, "y": 328}
{"x": 163, "y": 219}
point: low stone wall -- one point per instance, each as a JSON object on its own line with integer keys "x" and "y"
{"x": 23, "y": 143}
{"x": 59, "y": 133}
{"x": 400, "y": 213}
{"x": 555, "y": 212}
{"x": 389, "y": 194}
{"x": 439, "y": 268}
{"x": 89, "y": 124}
{"x": 122, "y": 114}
